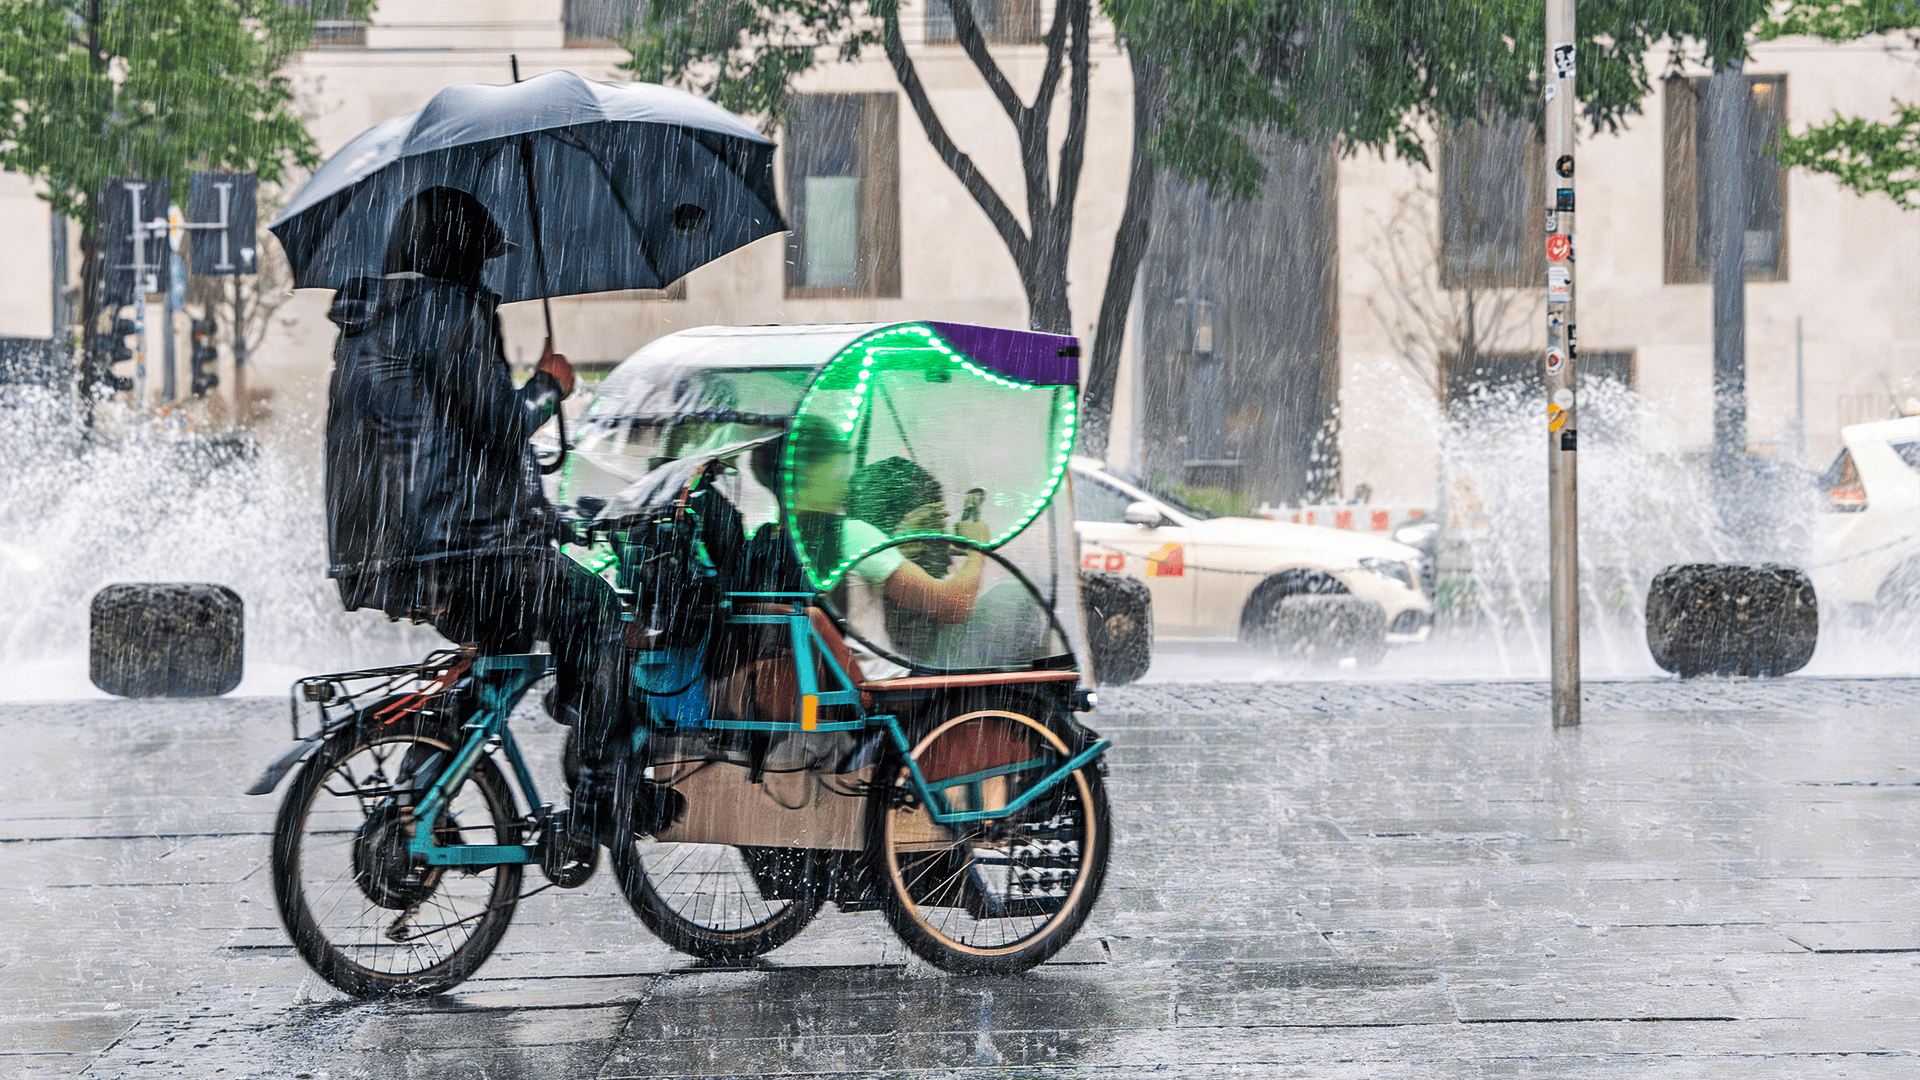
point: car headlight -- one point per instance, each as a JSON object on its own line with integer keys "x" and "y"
{"x": 1404, "y": 573}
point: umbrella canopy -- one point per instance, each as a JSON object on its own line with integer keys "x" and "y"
{"x": 597, "y": 186}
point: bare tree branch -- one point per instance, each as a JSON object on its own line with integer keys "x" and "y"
{"x": 967, "y": 31}
{"x": 1073, "y": 151}
{"x": 1424, "y": 322}
{"x": 1056, "y": 45}
{"x": 1035, "y": 163}
{"x": 1129, "y": 248}
{"x": 1017, "y": 241}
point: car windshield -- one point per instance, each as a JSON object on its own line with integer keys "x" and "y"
{"x": 1183, "y": 506}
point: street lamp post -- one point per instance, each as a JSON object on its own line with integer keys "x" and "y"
{"x": 1562, "y": 430}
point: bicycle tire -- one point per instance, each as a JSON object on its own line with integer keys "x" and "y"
{"x": 706, "y": 900}
{"x": 995, "y": 897}
{"x": 359, "y": 824}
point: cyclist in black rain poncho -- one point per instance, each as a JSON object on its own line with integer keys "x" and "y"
{"x": 434, "y": 506}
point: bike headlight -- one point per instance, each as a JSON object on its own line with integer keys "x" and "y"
{"x": 1404, "y": 573}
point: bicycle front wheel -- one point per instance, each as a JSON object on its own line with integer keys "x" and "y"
{"x": 364, "y": 914}
{"x": 1000, "y": 895}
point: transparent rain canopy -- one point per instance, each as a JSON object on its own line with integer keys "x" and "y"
{"x": 895, "y": 434}
{"x": 899, "y": 422}
{"x": 689, "y": 393}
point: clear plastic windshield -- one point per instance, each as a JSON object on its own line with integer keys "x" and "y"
{"x": 901, "y": 436}
{"x": 668, "y": 412}
{"x": 1017, "y": 616}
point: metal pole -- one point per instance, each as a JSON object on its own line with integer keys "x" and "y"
{"x": 1727, "y": 193}
{"x": 168, "y": 361}
{"x": 62, "y": 322}
{"x": 1561, "y": 359}
{"x": 139, "y": 299}
{"x": 1799, "y": 390}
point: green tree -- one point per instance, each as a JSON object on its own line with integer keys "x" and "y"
{"x": 745, "y": 54}
{"x": 1865, "y": 155}
{"x": 94, "y": 89}
{"x": 1368, "y": 74}
{"x": 1208, "y": 76}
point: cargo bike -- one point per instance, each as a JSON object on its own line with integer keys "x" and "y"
{"x": 846, "y": 564}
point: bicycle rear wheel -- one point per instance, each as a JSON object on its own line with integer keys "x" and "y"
{"x": 718, "y": 902}
{"x": 367, "y": 917}
{"x": 1001, "y": 895}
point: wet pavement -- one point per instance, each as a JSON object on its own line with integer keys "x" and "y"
{"x": 1322, "y": 880}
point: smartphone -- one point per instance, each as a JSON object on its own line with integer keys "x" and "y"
{"x": 970, "y": 509}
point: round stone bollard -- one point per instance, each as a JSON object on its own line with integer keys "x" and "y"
{"x": 1119, "y": 612}
{"x": 1329, "y": 627}
{"x": 166, "y": 640}
{"x": 1729, "y": 619}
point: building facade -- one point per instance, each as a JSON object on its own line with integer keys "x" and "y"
{"x": 1303, "y": 345}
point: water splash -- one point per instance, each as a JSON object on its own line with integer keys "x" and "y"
{"x": 144, "y": 500}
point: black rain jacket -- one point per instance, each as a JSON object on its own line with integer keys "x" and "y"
{"x": 427, "y": 453}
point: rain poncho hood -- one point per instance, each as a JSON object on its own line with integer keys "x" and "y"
{"x": 426, "y": 445}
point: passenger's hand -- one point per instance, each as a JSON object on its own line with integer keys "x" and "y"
{"x": 556, "y": 365}
{"x": 975, "y": 531}
{"x": 930, "y": 518}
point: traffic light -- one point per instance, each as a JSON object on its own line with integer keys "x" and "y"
{"x": 204, "y": 352}
{"x": 111, "y": 348}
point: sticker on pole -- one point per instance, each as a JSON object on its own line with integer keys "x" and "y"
{"x": 1563, "y": 61}
{"x": 1559, "y": 247}
{"x": 1559, "y": 282}
{"x": 1555, "y": 361}
{"x": 1556, "y": 417}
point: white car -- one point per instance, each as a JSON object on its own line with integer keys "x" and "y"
{"x": 1867, "y": 548}
{"x": 1214, "y": 577}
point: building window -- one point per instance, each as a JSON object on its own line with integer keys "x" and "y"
{"x": 842, "y": 155}
{"x": 1493, "y": 191}
{"x": 591, "y": 23}
{"x": 1686, "y": 210}
{"x": 331, "y": 27}
{"x": 1001, "y": 22}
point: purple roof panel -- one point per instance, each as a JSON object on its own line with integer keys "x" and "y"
{"x": 1026, "y": 355}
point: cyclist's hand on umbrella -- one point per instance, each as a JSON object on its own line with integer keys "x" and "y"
{"x": 975, "y": 531}
{"x": 556, "y": 365}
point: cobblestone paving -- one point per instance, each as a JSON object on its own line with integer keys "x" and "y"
{"x": 1328, "y": 880}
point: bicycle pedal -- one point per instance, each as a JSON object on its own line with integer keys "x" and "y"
{"x": 566, "y": 862}
{"x": 656, "y": 807}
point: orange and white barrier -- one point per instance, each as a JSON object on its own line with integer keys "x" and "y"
{"x": 1353, "y": 517}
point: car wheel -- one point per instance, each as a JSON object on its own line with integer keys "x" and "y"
{"x": 1308, "y": 615}
{"x": 1119, "y": 613}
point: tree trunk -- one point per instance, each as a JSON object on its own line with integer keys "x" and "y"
{"x": 1044, "y": 280}
{"x": 1129, "y": 250}
{"x": 92, "y": 270}
{"x": 1727, "y": 195}
{"x": 1040, "y": 250}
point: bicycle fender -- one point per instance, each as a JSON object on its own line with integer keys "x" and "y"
{"x": 281, "y": 766}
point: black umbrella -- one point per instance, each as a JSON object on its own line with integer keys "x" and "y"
{"x": 598, "y": 186}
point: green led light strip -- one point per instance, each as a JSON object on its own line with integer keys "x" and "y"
{"x": 877, "y": 345}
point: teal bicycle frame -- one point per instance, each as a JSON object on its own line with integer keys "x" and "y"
{"x": 504, "y": 680}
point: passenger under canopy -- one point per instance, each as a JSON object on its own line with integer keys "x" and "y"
{"x": 901, "y": 398}
{"x": 894, "y": 435}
